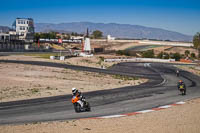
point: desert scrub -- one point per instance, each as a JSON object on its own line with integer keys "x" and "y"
{"x": 101, "y": 59}
{"x": 35, "y": 90}
{"x": 87, "y": 61}
{"x": 99, "y": 62}
{"x": 49, "y": 88}
{"x": 124, "y": 77}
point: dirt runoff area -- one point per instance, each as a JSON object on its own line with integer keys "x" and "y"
{"x": 195, "y": 69}
{"x": 19, "y": 81}
{"x": 178, "y": 119}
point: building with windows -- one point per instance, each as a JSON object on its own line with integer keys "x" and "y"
{"x": 24, "y": 27}
{"x": 20, "y": 37}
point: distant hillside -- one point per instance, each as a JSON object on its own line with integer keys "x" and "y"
{"x": 4, "y": 29}
{"x": 116, "y": 30}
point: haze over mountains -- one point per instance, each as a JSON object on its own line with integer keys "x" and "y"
{"x": 117, "y": 30}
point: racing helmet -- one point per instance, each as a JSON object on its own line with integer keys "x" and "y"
{"x": 74, "y": 90}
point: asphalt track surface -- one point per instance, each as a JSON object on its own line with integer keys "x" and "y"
{"x": 160, "y": 90}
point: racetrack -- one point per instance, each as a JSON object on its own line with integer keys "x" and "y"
{"x": 160, "y": 90}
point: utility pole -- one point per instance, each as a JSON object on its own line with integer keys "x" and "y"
{"x": 87, "y": 34}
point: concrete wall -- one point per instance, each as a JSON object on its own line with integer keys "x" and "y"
{"x": 139, "y": 60}
{"x": 11, "y": 46}
{"x": 147, "y": 42}
{"x": 183, "y": 44}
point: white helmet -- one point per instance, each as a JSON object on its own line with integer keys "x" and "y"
{"x": 74, "y": 90}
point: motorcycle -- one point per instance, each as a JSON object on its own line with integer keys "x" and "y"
{"x": 177, "y": 74}
{"x": 182, "y": 90}
{"x": 80, "y": 105}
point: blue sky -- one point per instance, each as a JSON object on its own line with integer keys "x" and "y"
{"x": 177, "y": 15}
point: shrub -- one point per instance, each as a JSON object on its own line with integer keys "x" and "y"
{"x": 192, "y": 55}
{"x": 176, "y": 56}
{"x": 148, "y": 54}
{"x": 123, "y": 52}
{"x": 166, "y": 56}
{"x": 160, "y": 55}
{"x": 101, "y": 58}
{"x": 187, "y": 52}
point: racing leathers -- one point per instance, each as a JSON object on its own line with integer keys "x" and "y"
{"x": 79, "y": 95}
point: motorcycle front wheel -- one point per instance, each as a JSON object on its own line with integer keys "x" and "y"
{"x": 88, "y": 107}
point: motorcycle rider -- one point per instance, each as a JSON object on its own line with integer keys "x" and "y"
{"x": 177, "y": 73}
{"x": 181, "y": 85}
{"x": 76, "y": 92}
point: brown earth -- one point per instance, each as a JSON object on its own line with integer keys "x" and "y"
{"x": 195, "y": 69}
{"x": 19, "y": 81}
{"x": 181, "y": 50}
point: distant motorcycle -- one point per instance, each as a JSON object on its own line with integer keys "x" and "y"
{"x": 177, "y": 73}
{"x": 80, "y": 105}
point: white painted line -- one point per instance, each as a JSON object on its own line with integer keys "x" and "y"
{"x": 180, "y": 103}
{"x": 145, "y": 111}
{"x": 112, "y": 116}
{"x": 165, "y": 107}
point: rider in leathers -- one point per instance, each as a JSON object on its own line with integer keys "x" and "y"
{"x": 182, "y": 85}
{"x": 77, "y": 93}
{"x": 177, "y": 73}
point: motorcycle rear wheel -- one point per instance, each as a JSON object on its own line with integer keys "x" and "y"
{"x": 183, "y": 92}
{"x": 77, "y": 108}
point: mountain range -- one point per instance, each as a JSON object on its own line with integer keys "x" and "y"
{"x": 4, "y": 29}
{"x": 125, "y": 31}
{"x": 116, "y": 30}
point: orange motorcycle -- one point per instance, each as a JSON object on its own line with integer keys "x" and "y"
{"x": 80, "y": 105}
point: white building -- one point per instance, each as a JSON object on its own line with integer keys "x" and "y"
{"x": 24, "y": 28}
{"x": 110, "y": 38}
